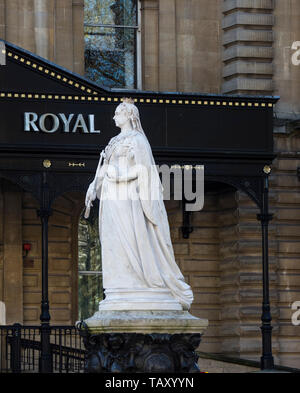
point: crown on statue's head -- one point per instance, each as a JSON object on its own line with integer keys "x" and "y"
{"x": 128, "y": 100}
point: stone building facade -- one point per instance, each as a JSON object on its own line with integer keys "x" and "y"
{"x": 210, "y": 46}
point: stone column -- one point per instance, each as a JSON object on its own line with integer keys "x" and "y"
{"x": 150, "y": 45}
{"x": 198, "y": 45}
{"x": 2, "y": 19}
{"x": 167, "y": 46}
{"x": 11, "y": 19}
{"x": 78, "y": 36}
{"x": 43, "y": 28}
{"x": 26, "y": 25}
{"x": 12, "y": 254}
{"x": 64, "y": 33}
{"x": 247, "y": 40}
{"x": 19, "y": 23}
{"x": 52, "y": 29}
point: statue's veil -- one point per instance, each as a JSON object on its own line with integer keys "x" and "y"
{"x": 133, "y": 114}
{"x": 150, "y": 185}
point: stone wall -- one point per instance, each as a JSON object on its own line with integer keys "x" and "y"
{"x": 198, "y": 259}
{"x": 63, "y": 259}
{"x": 241, "y": 253}
{"x": 248, "y": 52}
{"x": 222, "y": 262}
{"x": 21, "y": 278}
{"x": 285, "y": 204}
{"x": 11, "y": 268}
{"x": 284, "y": 181}
{"x": 181, "y": 42}
{"x": 286, "y": 74}
{"x": 52, "y": 29}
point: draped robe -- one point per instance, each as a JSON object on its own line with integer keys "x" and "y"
{"x": 134, "y": 232}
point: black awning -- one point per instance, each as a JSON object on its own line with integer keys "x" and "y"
{"x": 69, "y": 114}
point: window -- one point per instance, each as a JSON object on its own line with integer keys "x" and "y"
{"x": 111, "y": 41}
{"x": 90, "y": 288}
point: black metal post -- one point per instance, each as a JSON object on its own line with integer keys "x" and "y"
{"x": 186, "y": 228}
{"x": 45, "y": 361}
{"x": 15, "y": 361}
{"x": 267, "y": 361}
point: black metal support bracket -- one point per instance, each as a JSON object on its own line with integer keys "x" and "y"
{"x": 186, "y": 228}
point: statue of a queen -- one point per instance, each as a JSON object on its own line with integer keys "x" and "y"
{"x": 138, "y": 263}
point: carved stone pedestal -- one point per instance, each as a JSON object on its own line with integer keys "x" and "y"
{"x": 142, "y": 341}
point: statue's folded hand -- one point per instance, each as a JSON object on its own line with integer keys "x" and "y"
{"x": 119, "y": 179}
{"x": 124, "y": 175}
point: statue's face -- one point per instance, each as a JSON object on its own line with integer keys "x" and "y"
{"x": 120, "y": 117}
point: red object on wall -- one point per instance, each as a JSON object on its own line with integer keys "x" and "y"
{"x": 27, "y": 247}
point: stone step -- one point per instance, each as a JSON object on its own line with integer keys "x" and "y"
{"x": 218, "y": 363}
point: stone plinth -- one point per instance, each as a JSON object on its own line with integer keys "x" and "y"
{"x": 117, "y": 299}
{"x": 142, "y": 341}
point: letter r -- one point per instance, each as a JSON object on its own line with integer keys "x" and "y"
{"x": 29, "y": 121}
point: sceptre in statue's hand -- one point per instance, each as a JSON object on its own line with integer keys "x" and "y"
{"x": 96, "y": 183}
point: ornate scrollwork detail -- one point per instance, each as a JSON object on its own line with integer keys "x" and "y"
{"x": 131, "y": 352}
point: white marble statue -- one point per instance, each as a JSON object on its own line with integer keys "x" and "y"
{"x": 139, "y": 268}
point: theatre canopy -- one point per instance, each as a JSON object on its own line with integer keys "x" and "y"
{"x": 57, "y": 121}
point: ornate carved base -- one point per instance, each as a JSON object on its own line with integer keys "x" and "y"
{"x": 135, "y": 353}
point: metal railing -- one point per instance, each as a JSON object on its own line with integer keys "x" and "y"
{"x": 20, "y": 349}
